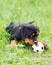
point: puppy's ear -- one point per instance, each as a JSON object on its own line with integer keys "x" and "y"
{"x": 25, "y": 32}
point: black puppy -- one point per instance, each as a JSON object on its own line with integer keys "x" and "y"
{"x": 26, "y": 32}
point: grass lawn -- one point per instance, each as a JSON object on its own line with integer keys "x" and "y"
{"x": 25, "y": 11}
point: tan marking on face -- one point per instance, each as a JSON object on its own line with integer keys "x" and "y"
{"x": 28, "y": 41}
{"x": 33, "y": 34}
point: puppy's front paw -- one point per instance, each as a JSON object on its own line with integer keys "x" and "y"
{"x": 13, "y": 43}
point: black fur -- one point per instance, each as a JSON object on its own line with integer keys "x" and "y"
{"x": 20, "y": 31}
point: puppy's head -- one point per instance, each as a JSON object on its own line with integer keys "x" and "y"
{"x": 31, "y": 32}
{"x": 9, "y": 28}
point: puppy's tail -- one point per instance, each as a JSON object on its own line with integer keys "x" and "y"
{"x": 31, "y": 22}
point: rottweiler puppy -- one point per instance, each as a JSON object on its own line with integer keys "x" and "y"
{"x": 26, "y": 32}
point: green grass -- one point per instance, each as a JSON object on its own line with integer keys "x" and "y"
{"x": 25, "y": 11}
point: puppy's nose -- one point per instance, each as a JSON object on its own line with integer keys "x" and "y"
{"x": 37, "y": 50}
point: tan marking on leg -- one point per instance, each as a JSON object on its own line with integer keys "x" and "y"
{"x": 13, "y": 43}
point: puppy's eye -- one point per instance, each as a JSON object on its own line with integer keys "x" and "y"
{"x": 33, "y": 34}
{"x": 42, "y": 48}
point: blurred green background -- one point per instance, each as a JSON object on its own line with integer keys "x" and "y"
{"x": 25, "y": 11}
